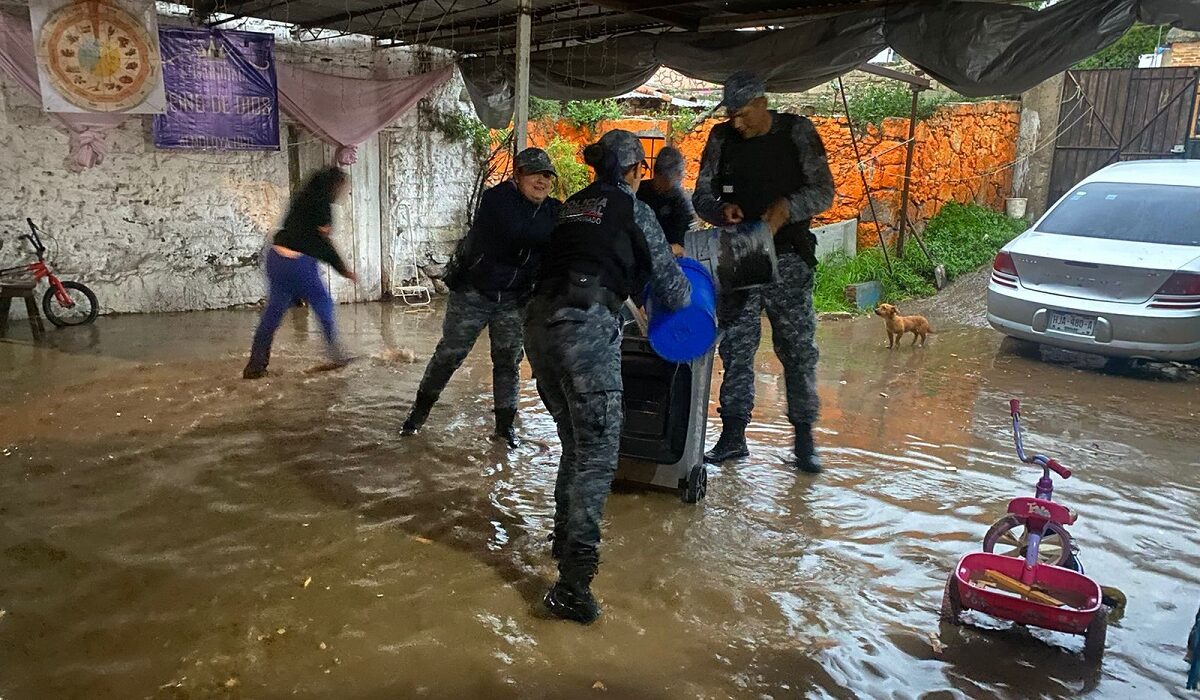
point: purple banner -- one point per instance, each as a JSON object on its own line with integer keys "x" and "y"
{"x": 221, "y": 91}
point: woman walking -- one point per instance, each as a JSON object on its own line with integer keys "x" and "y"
{"x": 292, "y": 271}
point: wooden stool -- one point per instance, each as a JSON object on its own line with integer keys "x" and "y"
{"x": 22, "y": 290}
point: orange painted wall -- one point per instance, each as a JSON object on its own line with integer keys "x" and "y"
{"x": 964, "y": 153}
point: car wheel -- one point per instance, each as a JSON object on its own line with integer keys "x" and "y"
{"x": 1020, "y": 347}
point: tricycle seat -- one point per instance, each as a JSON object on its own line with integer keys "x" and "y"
{"x": 1053, "y": 512}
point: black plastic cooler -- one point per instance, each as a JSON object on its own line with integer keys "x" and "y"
{"x": 666, "y": 404}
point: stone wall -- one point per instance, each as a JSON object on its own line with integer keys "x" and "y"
{"x": 964, "y": 153}
{"x": 155, "y": 230}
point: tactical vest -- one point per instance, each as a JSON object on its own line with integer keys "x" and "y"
{"x": 757, "y": 171}
{"x": 595, "y": 238}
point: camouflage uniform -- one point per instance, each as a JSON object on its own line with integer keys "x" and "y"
{"x": 576, "y": 358}
{"x": 491, "y": 276}
{"x": 467, "y": 312}
{"x": 788, "y": 301}
{"x": 789, "y": 307}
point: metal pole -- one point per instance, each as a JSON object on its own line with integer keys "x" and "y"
{"x": 912, "y": 138}
{"x": 858, "y": 162}
{"x": 521, "y": 96}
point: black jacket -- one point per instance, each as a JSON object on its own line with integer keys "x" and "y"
{"x": 504, "y": 247}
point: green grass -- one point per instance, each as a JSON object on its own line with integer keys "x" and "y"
{"x": 963, "y": 237}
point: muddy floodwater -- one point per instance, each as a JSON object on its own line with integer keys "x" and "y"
{"x": 168, "y": 530}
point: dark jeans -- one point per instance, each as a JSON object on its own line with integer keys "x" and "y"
{"x": 289, "y": 280}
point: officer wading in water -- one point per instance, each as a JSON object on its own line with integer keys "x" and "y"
{"x": 605, "y": 240}
{"x": 754, "y": 160}
{"x": 491, "y": 277}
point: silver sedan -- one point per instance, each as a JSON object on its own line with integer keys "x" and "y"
{"x": 1112, "y": 269}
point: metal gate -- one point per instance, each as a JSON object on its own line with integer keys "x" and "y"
{"x": 1114, "y": 115}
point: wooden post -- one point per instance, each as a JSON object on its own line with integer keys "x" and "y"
{"x": 521, "y": 96}
{"x": 912, "y": 135}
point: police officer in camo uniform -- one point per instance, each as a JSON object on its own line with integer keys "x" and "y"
{"x": 755, "y": 160}
{"x": 605, "y": 240}
{"x": 494, "y": 272}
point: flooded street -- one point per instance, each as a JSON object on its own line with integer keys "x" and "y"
{"x": 168, "y": 530}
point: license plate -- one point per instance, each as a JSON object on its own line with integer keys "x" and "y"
{"x": 1072, "y": 323}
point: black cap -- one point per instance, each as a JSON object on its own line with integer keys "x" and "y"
{"x": 534, "y": 160}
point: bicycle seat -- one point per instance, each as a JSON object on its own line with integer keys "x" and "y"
{"x": 1056, "y": 513}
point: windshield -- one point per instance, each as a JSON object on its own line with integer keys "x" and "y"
{"x": 1129, "y": 212}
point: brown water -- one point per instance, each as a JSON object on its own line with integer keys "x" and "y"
{"x": 161, "y": 519}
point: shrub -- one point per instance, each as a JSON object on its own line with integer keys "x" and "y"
{"x": 465, "y": 128}
{"x": 962, "y": 237}
{"x": 544, "y": 110}
{"x": 589, "y": 113}
{"x": 572, "y": 175}
{"x": 1124, "y": 52}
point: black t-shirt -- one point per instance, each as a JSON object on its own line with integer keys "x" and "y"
{"x": 300, "y": 231}
{"x": 673, "y": 209}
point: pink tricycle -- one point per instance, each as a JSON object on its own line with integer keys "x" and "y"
{"x": 1025, "y": 589}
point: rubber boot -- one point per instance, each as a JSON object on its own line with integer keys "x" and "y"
{"x": 807, "y": 460}
{"x": 504, "y": 426}
{"x": 418, "y": 414}
{"x": 571, "y": 598}
{"x": 256, "y": 367}
{"x": 731, "y": 444}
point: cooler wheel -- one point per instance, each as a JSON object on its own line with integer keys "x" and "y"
{"x": 696, "y": 486}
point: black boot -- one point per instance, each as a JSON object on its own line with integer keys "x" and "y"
{"x": 731, "y": 444}
{"x": 571, "y": 598}
{"x": 254, "y": 372}
{"x": 807, "y": 459}
{"x": 418, "y": 414}
{"x": 504, "y": 425}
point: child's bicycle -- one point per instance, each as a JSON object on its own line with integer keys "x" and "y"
{"x": 1025, "y": 589}
{"x": 65, "y": 303}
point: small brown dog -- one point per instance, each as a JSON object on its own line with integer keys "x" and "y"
{"x": 898, "y": 325}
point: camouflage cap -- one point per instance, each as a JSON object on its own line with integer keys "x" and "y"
{"x": 740, "y": 89}
{"x": 669, "y": 163}
{"x": 534, "y": 160}
{"x": 626, "y": 146}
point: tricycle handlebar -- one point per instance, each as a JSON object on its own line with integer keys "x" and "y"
{"x": 1040, "y": 460}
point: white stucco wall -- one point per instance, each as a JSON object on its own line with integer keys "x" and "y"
{"x": 168, "y": 231}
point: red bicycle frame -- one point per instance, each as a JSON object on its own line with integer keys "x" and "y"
{"x": 40, "y": 270}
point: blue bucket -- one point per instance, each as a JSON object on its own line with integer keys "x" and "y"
{"x": 683, "y": 335}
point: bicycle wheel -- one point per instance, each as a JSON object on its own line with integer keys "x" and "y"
{"x": 1008, "y": 536}
{"x": 85, "y": 309}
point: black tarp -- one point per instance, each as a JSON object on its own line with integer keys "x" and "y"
{"x": 975, "y": 48}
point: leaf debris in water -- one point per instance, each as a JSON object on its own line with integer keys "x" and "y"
{"x": 307, "y": 581}
{"x": 598, "y": 686}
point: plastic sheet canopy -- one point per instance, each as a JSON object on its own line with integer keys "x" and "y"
{"x": 976, "y": 48}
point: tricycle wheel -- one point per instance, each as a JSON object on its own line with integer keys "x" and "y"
{"x": 1009, "y": 536}
{"x": 1094, "y": 636}
{"x": 951, "y": 601}
{"x": 697, "y": 484}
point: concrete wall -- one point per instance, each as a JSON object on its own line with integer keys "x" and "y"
{"x": 167, "y": 231}
{"x": 1035, "y": 144}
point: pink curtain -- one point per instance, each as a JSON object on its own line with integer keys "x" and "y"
{"x": 88, "y": 132}
{"x": 347, "y": 111}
